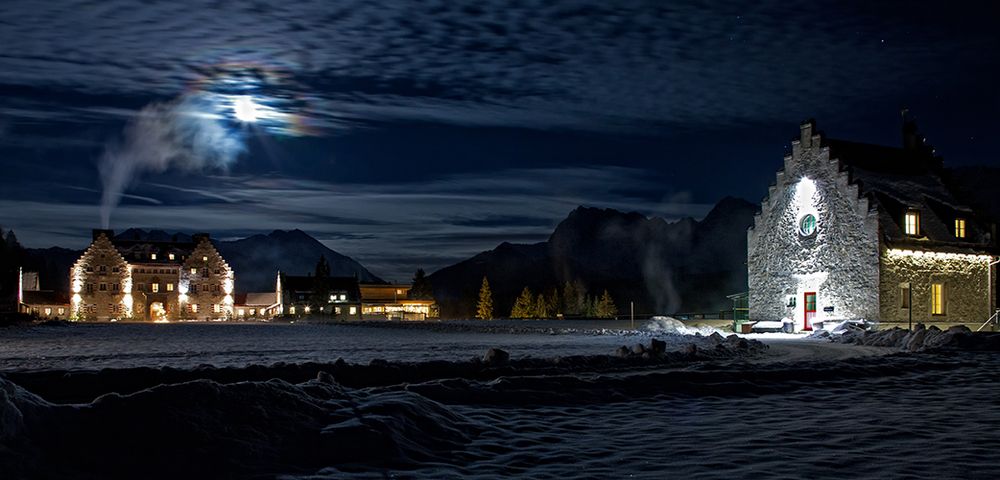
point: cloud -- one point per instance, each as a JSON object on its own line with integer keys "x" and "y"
{"x": 430, "y": 224}
{"x": 592, "y": 65}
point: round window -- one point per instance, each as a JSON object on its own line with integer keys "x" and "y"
{"x": 807, "y": 226}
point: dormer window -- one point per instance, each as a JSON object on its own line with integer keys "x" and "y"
{"x": 959, "y": 228}
{"x": 152, "y": 256}
{"x": 171, "y": 256}
{"x": 911, "y": 222}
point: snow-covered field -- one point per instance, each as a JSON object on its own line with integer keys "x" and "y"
{"x": 803, "y": 408}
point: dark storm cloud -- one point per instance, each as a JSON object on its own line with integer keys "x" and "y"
{"x": 431, "y": 223}
{"x": 591, "y": 65}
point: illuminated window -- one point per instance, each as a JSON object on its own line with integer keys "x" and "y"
{"x": 194, "y": 271}
{"x": 807, "y": 226}
{"x": 48, "y": 311}
{"x": 959, "y": 228}
{"x": 253, "y": 311}
{"x": 343, "y": 297}
{"x": 911, "y": 223}
{"x": 170, "y": 287}
{"x": 204, "y": 259}
{"x": 307, "y": 309}
{"x": 171, "y": 256}
{"x": 241, "y": 312}
{"x": 155, "y": 287}
{"x": 152, "y": 256}
{"x": 336, "y": 310}
{"x": 937, "y": 299}
{"x": 194, "y": 308}
{"x": 291, "y": 310}
{"x": 62, "y": 310}
{"x": 354, "y": 310}
{"x": 904, "y": 295}
{"x": 215, "y": 307}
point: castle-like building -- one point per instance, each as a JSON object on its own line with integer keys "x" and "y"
{"x": 144, "y": 280}
{"x": 853, "y": 231}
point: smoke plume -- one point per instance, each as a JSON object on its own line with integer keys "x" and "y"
{"x": 180, "y": 135}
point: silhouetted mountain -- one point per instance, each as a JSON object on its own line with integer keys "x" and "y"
{"x": 256, "y": 259}
{"x": 663, "y": 267}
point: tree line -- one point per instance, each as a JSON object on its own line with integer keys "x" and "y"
{"x": 572, "y": 301}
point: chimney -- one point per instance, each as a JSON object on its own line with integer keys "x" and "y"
{"x": 911, "y": 138}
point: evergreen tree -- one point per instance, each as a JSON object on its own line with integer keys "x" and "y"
{"x": 420, "y": 289}
{"x": 589, "y": 307}
{"x": 541, "y": 307}
{"x": 605, "y": 307}
{"x": 524, "y": 305}
{"x": 484, "y": 309}
{"x": 321, "y": 285}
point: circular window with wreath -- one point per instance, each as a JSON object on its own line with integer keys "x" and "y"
{"x": 807, "y": 226}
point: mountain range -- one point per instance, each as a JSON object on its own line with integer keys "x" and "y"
{"x": 663, "y": 267}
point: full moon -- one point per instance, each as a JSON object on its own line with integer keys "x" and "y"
{"x": 244, "y": 109}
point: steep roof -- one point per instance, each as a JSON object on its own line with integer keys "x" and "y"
{"x": 897, "y": 180}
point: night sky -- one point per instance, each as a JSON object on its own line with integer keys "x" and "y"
{"x": 416, "y": 134}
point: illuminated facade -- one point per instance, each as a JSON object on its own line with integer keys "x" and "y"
{"x": 852, "y": 231}
{"x": 392, "y": 302}
{"x": 135, "y": 278}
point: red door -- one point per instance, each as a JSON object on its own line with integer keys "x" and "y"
{"x": 810, "y": 304}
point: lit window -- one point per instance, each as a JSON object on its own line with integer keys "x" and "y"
{"x": 155, "y": 287}
{"x": 399, "y": 292}
{"x": 291, "y": 310}
{"x": 904, "y": 295}
{"x": 336, "y": 310}
{"x": 307, "y": 309}
{"x": 343, "y": 297}
{"x": 171, "y": 256}
{"x": 194, "y": 271}
{"x": 215, "y": 307}
{"x": 62, "y": 310}
{"x": 253, "y": 311}
{"x": 204, "y": 259}
{"x": 354, "y": 310}
{"x": 48, "y": 311}
{"x": 911, "y": 223}
{"x": 937, "y": 299}
{"x": 959, "y": 228}
{"x": 170, "y": 287}
{"x": 241, "y": 312}
{"x": 194, "y": 308}
{"x": 152, "y": 256}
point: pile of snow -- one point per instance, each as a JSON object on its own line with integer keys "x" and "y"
{"x": 922, "y": 338}
{"x": 670, "y": 325}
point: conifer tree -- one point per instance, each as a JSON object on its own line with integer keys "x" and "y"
{"x": 524, "y": 305}
{"x": 605, "y": 307}
{"x": 484, "y": 309}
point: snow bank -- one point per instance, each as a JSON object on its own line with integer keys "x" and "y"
{"x": 922, "y": 338}
{"x": 669, "y": 325}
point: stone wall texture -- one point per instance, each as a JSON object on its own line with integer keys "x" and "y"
{"x": 839, "y": 261}
{"x": 98, "y": 283}
{"x": 966, "y": 281}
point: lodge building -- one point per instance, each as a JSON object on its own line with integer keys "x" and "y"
{"x": 852, "y": 231}
{"x": 139, "y": 279}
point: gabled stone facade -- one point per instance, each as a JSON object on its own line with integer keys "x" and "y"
{"x": 838, "y": 261}
{"x": 853, "y": 231}
{"x": 136, "y": 280}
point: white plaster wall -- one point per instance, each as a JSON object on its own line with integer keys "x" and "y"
{"x": 840, "y": 262}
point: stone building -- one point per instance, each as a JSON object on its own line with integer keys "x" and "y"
{"x": 137, "y": 278}
{"x": 853, "y": 231}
